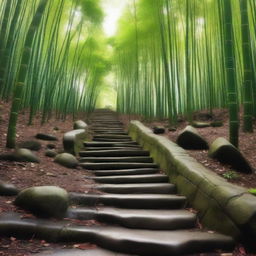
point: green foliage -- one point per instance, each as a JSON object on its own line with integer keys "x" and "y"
{"x": 231, "y": 175}
{"x": 252, "y": 191}
{"x": 64, "y": 60}
{"x": 178, "y": 62}
{"x": 91, "y": 10}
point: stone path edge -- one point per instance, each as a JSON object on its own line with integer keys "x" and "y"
{"x": 222, "y": 206}
{"x": 73, "y": 140}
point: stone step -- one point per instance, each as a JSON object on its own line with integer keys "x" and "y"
{"x": 122, "y": 179}
{"x": 95, "y": 132}
{"x": 117, "y": 166}
{"x": 112, "y": 140}
{"x": 129, "y": 147}
{"x": 137, "y": 159}
{"x": 113, "y": 153}
{"x": 78, "y": 252}
{"x": 137, "y": 218}
{"x": 110, "y": 136}
{"x": 109, "y": 144}
{"x": 126, "y": 172}
{"x": 133, "y": 241}
{"x": 119, "y": 126}
{"x": 103, "y": 129}
{"x": 134, "y": 201}
{"x": 147, "y": 188}
{"x": 106, "y": 121}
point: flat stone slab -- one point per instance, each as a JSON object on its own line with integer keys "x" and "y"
{"x": 136, "y": 218}
{"x": 121, "y": 179}
{"x": 136, "y": 159}
{"x": 137, "y": 201}
{"x": 75, "y": 252}
{"x": 114, "y": 153}
{"x": 225, "y": 152}
{"x": 147, "y": 188}
{"x": 108, "y": 144}
{"x": 198, "y": 124}
{"x": 189, "y": 138}
{"x": 7, "y": 189}
{"x": 112, "y": 136}
{"x": 113, "y": 148}
{"x": 30, "y": 144}
{"x": 117, "y": 166}
{"x": 43, "y": 136}
{"x": 133, "y": 241}
{"x": 126, "y": 172}
{"x": 111, "y": 140}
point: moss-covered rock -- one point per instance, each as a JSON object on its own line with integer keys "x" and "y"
{"x": 66, "y": 160}
{"x": 44, "y": 201}
{"x": 79, "y": 124}
{"x": 198, "y": 124}
{"x": 172, "y": 129}
{"x": 189, "y": 138}
{"x": 225, "y": 152}
{"x": 8, "y": 189}
{"x": 30, "y": 144}
{"x": 49, "y": 137}
{"x": 50, "y": 153}
{"x": 25, "y": 155}
{"x": 158, "y": 130}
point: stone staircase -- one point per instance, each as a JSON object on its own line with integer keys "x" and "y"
{"x": 142, "y": 213}
{"x": 139, "y": 211}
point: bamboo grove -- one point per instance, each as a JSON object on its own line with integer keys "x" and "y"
{"x": 174, "y": 57}
{"x": 51, "y": 57}
{"x": 170, "y": 58}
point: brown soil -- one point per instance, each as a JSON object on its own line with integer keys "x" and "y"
{"x": 24, "y": 175}
{"x": 246, "y": 144}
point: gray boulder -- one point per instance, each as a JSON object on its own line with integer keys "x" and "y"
{"x": 8, "y": 189}
{"x": 189, "y": 138}
{"x": 25, "y": 155}
{"x": 44, "y": 201}
{"x": 158, "y": 130}
{"x": 66, "y": 160}
{"x": 80, "y": 125}
{"x": 49, "y": 137}
{"x": 30, "y": 144}
{"x": 50, "y": 153}
{"x": 198, "y": 124}
{"x": 225, "y": 152}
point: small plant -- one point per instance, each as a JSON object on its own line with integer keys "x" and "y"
{"x": 231, "y": 175}
{"x": 252, "y": 191}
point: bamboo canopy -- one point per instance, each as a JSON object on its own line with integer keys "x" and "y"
{"x": 168, "y": 58}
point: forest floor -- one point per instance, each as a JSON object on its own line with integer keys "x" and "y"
{"x": 47, "y": 172}
{"x": 247, "y": 144}
{"x": 24, "y": 175}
